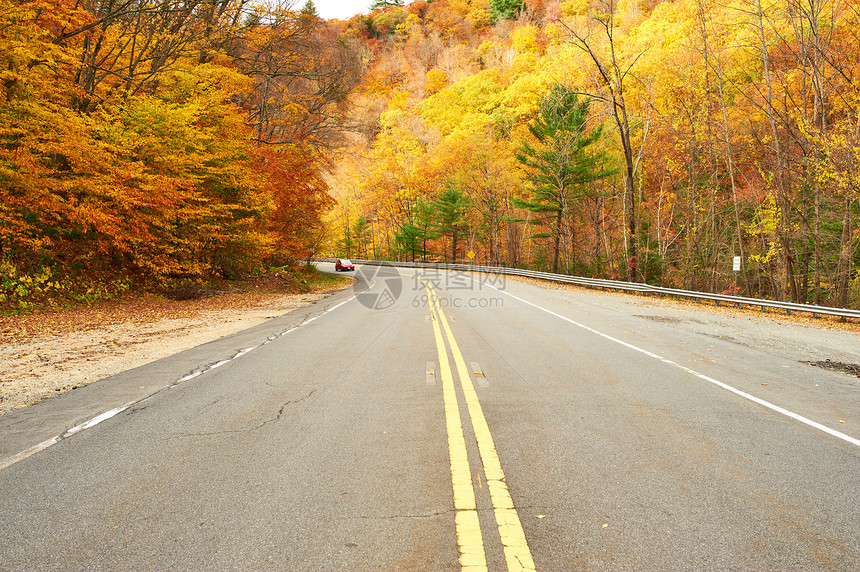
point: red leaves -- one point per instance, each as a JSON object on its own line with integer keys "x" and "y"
{"x": 295, "y": 184}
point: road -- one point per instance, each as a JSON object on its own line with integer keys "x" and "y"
{"x": 443, "y": 422}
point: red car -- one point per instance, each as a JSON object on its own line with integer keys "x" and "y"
{"x": 343, "y": 264}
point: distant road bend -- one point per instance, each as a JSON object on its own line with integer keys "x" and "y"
{"x": 432, "y": 420}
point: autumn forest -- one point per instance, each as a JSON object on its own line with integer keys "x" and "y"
{"x": 144, "y": 143}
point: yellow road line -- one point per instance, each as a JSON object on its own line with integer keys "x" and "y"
{"x": 517, "y": 553}
{"x": 469, "y": 540}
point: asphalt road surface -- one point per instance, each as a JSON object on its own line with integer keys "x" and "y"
{"x": 442, "y": 422}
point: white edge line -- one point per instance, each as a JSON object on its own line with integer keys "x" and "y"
{"x": 702, "y": 376}
{"x": 95, "y": 420}
{"x": 31, "y": 451}
{"x": 245, "y": 351}
{"x": 350, "y": 299}
{"x": 117, "y": 410}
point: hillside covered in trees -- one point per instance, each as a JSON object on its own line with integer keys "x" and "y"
{"x": 150, "y": 142}
{"x": 705, "y": 130}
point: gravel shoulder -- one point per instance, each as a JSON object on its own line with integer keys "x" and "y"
{"x": 47, "y": 354}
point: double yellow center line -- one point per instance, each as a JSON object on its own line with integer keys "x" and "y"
{"x": 469, "y": 538}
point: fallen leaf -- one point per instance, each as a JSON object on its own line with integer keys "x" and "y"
{"x": 540, "y": 516}
{"x": 605, "y": 526}
{"x": 841, "y": 421}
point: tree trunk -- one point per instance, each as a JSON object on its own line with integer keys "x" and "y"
{"x": 789, "y": 289}
{"x": 613, "y": 77}
{"x": 843, "y": 272}
{"x": 556, "y": 242}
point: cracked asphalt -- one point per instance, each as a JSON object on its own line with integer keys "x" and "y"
{"x": 317, "y": 441}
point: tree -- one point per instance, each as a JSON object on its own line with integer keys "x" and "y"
{"x": 360, "y": 230}
{"x": 562, "y": 163}
{"x": 613, "y": 74}
{"x": 505, "y": 9}
{"x": 309, "y": 10}
{"x": 451, "y": 214}
{"x": 295, "y": 183}
{"x": 413, "y": 234}
{"x": 407, "y": 240}
{"x": 303, "y": 74}
{"x": 377, "y": 4}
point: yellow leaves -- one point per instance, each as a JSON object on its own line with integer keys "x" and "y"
{"x": 493, "y": 54}
{"x": 399, "y": 100}
{"x": 487, "y": 47}
{"x": 117, "y": 145}
{"x": 435, "y": 80}
{"x": 379, "y": 82}
{"x": 478, "y": 93}
{"x": 208, "y": 84}
{"x": 480, "y": 18}
{"x": 395, "y": 153}
{"x": 522, "y": 95}
{"x": 527, "y": 39}
{"x": 27, "y": 54}
{"x": 555, "y": 33}
{"x": 525, "y": 63}
{"x": 571, "y": 8}
{"x": 668, "y": 30}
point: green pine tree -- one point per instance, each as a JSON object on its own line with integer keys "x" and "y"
{"x": 562, "y": 162}
{"x": 384, "y": 4}
{"x": 360, "y": 230}
{"x": 505, "y": 9}
{"x": 407, "y": 240}
{"x": 309, "y": 10}
{"x": 451, "y": 207}
{"x": 413, "y": 235}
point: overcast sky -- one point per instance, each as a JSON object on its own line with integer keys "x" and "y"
{"x": 341, "y": 9}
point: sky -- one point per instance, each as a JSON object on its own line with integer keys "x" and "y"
{"x": 341, "y": 9}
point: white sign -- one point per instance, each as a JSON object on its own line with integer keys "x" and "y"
{"x": 736, "y": 266}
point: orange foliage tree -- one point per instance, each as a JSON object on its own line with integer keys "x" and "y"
{"x": 142, "y": 141}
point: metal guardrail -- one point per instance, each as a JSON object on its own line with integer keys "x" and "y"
{"x": 644, "y": 289}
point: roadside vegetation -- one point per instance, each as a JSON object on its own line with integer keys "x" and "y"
{"x": 711, "y": 130}
{"x": 58, "y": 316}
{"x": 155, "y": 145}
{"x": 146, "y": 145}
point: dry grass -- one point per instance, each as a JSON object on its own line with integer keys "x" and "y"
{"x": 148, "y": 308}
